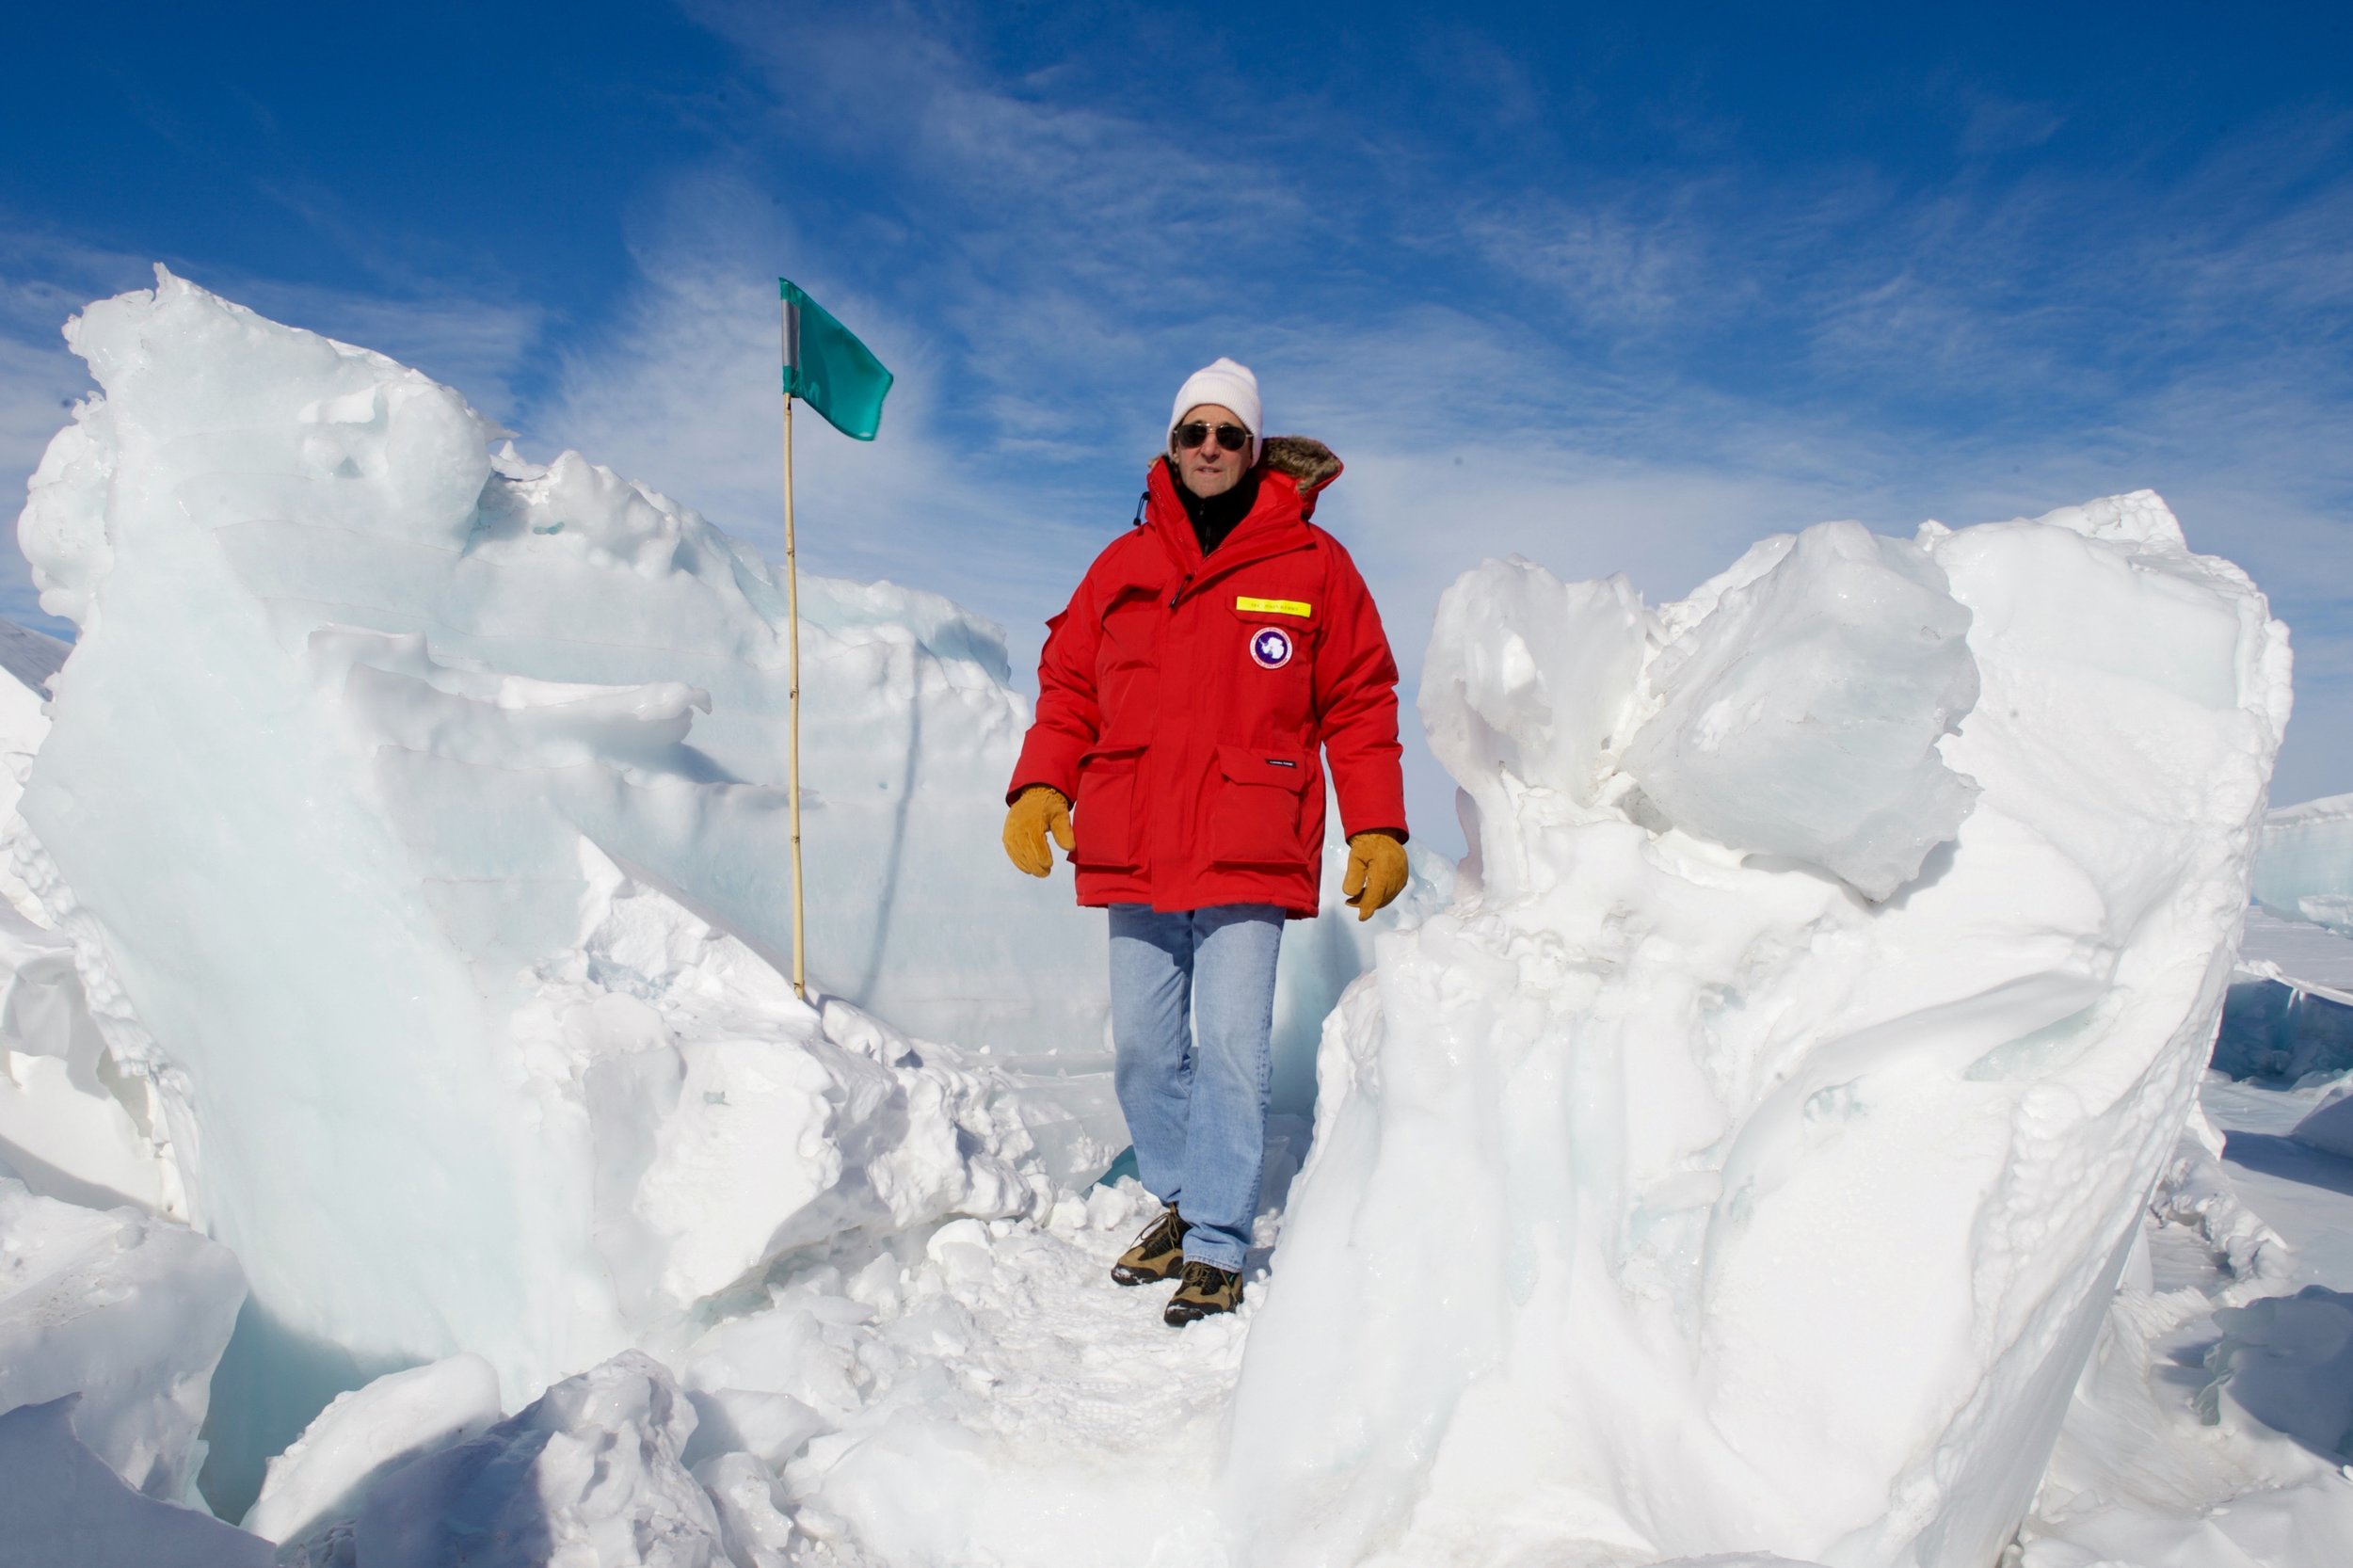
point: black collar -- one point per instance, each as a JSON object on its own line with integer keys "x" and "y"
{"x": 1214, "y": 517}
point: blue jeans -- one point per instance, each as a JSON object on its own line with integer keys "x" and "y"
{"x": 1196, "y": 1107}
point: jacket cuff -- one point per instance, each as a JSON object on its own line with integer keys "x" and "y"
{"x": 1377, "y": 810}
{"x": 1048, "y": 760}
{"x": 1012, "y": 791}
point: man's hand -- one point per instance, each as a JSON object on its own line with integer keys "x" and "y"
{"x": 1037, "y": 811}
{"x": 1376, "y": 871}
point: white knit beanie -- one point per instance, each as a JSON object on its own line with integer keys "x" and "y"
{"x": 1230, "y": 386}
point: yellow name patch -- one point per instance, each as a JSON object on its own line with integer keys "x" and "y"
{"x": 1274, "y": 607}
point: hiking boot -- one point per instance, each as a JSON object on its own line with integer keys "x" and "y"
{"x": 1157, "y": 1254}
{"x": 1206, "y": 1290}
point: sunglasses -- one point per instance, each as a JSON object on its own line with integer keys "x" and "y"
{"x": 1233, "y": 437}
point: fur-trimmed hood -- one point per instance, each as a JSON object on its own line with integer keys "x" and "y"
{"x": 1308, "y": 461}
{"x": 1310, "y": 464}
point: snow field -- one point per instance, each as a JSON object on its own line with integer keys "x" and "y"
{"x": 462, "y": 917}
{"x": 1743, "y": 1156}
{"x": 1048, "y": 1412}
{"x": 410, "y": 936}
{"x": 441, "y": 985}
{"x": 1047, "y": 1408}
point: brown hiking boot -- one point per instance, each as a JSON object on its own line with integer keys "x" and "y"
{"x": 1206, "y": 1290}
{"x": 1157, "y": 1254}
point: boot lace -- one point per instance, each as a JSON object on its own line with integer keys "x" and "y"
{"x": 1167, "y": 1231}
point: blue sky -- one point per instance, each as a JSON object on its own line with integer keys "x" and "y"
{"x": 1618, "y": 290}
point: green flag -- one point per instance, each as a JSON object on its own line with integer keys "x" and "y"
{"x": 828, "y": 369}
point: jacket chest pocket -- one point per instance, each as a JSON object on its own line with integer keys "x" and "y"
{"x": 1103, "y": 818}
{"x": 1275, "y": 654}
{"x": 1257, "y": 797}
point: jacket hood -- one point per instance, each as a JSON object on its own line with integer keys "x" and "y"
{"x": 1302, "y": 466}
{"x": 1310, "y": 464}
{"x": 1307, "y": 462}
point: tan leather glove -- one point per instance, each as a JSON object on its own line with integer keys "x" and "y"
{"x": 1376, "y": 871}
{"x": 1037, "y": 811}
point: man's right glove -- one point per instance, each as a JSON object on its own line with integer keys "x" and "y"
{"x": 1037, "y": 811}
{"x": 1376, "y": 871}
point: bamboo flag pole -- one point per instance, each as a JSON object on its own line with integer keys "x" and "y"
{"x": 828, "y": 369}
{"x": 793, "y": 777}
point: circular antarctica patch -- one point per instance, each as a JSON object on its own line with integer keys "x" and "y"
{"x": 1271, "y": 645}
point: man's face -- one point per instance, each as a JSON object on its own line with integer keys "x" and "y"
{"x": 1209, "y": 469}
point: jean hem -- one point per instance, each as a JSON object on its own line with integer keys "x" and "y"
{"x": 1231, "y": 1265}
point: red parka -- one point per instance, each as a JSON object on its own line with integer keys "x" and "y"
{"x": 1185, "y": 704}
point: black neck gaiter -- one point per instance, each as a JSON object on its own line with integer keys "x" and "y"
{"x": 1214, "y": 517}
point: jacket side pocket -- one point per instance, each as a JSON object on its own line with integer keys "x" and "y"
{"x": 1102, "y": 819}
{"x": 1254, "y": 820}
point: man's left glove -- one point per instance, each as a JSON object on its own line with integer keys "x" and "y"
{"x": 1037, "y": 811}
{"x": 1376, "y": 871}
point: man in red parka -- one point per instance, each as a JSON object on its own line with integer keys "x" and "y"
{"x": 1211, "y": 660}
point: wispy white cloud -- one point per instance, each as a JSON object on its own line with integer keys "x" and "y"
{"x": 1602, "y": 376}
{"x": 1613, "y": 262}
{"x": 1996, "y": 125}
{"x": 1512, "y": 350}
{"x": 682, "y": 393}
